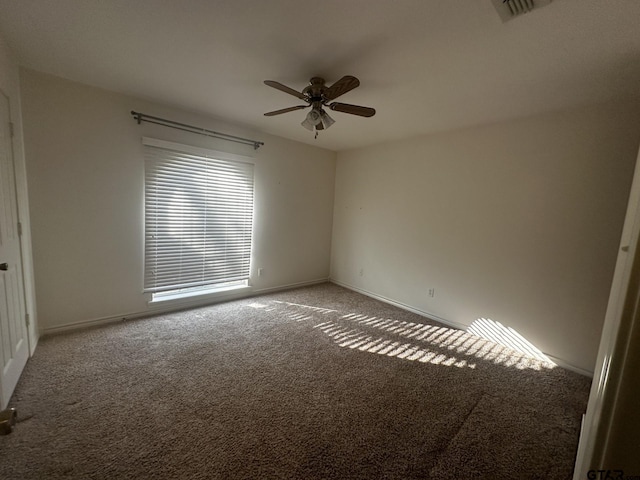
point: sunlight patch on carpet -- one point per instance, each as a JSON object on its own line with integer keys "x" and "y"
{"x": 364, "y": 342}
{"x": 507, "y": 336}
{"x": 257, "y": 305}
{"x": 486, "y": 340}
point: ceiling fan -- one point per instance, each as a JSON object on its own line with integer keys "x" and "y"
{"x": 318, "y": 95}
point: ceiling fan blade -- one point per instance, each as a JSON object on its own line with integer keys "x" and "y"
{"x": 353, "y": 109}
{"x": 285, "y": 110}
{"x": 342, "y": 86}
{"x": 285, "y": 89}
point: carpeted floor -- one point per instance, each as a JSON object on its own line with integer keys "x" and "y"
{"x": 314, "y": 383}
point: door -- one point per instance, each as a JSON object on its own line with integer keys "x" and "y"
{"x": 595, "y": 429}
{"x": 14, "y": 349}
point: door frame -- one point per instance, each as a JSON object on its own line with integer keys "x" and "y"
{"x": 597, "y": 419}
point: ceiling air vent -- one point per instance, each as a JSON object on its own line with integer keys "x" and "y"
{"x": 508, "y": 9}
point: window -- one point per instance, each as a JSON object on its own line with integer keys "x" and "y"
{"x": 198, "y": 219}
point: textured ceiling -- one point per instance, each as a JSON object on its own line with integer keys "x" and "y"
{"x": 425, "y": 65}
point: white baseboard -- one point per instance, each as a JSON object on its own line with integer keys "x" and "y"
{"x": 567, "y": 366}
{"x": 558, "y": 361}
{"x": 401, "y": 305}
{"x": 175, "y": 306}
{"x": 290, "y": 286}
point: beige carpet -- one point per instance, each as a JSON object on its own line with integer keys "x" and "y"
{"x": 314, "y": 383}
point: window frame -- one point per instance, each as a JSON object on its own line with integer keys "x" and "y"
{"x": 208, "y": 290}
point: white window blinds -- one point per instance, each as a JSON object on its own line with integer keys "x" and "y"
{"x": 198, "y": 219}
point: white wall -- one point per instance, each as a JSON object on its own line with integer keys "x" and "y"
{"x": 517, "y": 222}
{"x": 85, "y": 170}
{"x": 10, "y": 86}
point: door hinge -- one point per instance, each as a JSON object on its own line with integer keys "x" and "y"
{"x": 20, "y": 229}
{"x": 27, "y": 319}
{"x": 11, "y": 129}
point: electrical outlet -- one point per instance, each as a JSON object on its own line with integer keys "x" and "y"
{"x": 260, "y": 271}
{"x": 361, "y": 271}
{"x": 432, "y": 292}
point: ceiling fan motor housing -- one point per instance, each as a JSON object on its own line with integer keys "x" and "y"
{"x": 315, "y": 90}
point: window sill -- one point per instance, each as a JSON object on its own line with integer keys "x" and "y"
{"x": 214, "y": 293}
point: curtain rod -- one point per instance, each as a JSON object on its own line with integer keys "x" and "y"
{"x": 141, "y": 117}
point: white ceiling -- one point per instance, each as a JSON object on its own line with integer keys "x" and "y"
{"x": 425, "y": 65}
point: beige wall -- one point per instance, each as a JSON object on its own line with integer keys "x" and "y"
{"x": 85, "y": 170}
{"x": 10, "y": 86}
{"x": 517, "y": 222}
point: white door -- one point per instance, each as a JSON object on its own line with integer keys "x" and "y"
{"x": 601, "y": 385}
{"x": 14, "y": 349}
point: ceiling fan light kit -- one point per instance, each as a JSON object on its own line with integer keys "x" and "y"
{"x": 326, "y": 120}
{"x": 318, "y": 95}
{"x": 317, "y": 118}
